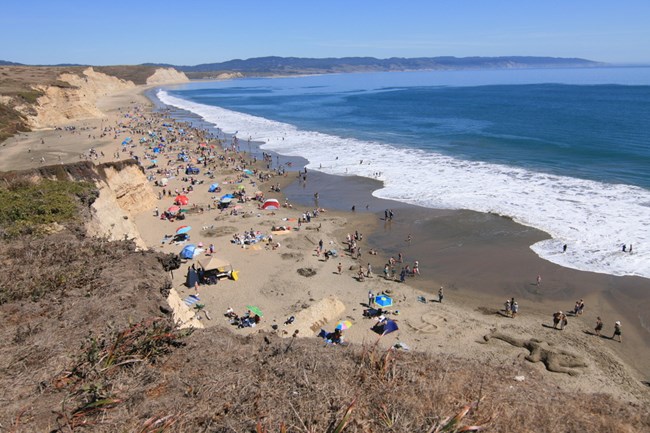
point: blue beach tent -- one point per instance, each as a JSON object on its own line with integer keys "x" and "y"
{"x": 385, "y": 327}
{"x": 213, "y": 187}
{"x": 188, "y": 251}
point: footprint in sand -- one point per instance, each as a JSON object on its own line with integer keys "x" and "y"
{"x": 430, "y": 323}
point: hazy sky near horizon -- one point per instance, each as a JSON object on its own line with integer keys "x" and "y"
{"x": 204, "y": 31}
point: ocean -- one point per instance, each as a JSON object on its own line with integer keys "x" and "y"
{"x": 566, "y": 151}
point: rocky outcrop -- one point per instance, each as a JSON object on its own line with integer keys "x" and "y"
{"x": 123, "y": 192}
{"x": 229, "y": 75}
{"x": 74, "y": 97}
{"x": 167, "y": 76}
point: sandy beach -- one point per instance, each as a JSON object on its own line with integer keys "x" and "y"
{"x": 480, "y": 259}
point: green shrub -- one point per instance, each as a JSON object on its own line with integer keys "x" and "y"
{"x": 31, "y": 207}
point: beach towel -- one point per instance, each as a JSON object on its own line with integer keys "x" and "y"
{"x": 191, "y": 300}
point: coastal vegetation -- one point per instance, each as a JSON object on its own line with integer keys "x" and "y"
{"x": 33, "y": 207}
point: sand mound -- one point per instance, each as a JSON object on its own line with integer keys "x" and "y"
{"x": 311, "y": 319}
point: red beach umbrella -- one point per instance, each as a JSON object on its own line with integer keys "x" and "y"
{"x": 181, "y": 200}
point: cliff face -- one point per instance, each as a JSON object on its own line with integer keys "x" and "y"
{"x": 75, "y": 96}
{"x": 167, "y": 76}
{"x": 123, "y": 192}
{"x": 76, "y": 99}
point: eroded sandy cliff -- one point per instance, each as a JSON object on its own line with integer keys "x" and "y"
{"x": 167, "y": 76}
{"x": 60, "y": 104}
{"x": 123, "y": 192}
{"x": 75, "y": 96}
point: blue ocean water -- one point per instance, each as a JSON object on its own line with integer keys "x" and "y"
{"x": 566, "y": 151}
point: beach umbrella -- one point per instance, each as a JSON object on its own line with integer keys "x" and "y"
{"x": 384, "y": 301}
{"x": 225, "y": 200}
{"x": 183, "y": 229}
{"x": 240, "y": 187}
{"x": 173, "y": 209}
{"x": 247, "y": 171}
{"x": 181, "y": 200}
{"x": 213, "y": 187}
{"x": 254, "y": 310}
{"x": 343, "y": 325}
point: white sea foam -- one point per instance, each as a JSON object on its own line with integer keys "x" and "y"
{"x": 594, "y": 219}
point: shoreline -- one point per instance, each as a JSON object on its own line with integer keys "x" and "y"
{"x": 268, "y": 277}
{"x": 463, "y": 269}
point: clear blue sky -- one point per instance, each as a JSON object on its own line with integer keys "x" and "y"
{"x": 192, "y": 32}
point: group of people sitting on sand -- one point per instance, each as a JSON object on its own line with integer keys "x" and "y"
{"x": 335, "y": 337}
{"x": 247, "y": 238}
{"x": 249, "y": 319}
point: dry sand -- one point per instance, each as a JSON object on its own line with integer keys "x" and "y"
{"x": 477, "y": 277}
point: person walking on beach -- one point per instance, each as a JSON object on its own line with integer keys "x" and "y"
{"x": 371, "y": 298}
{"x": 564, "y": 248}
{"x": 507, "y": 307}
{"x": 339, "y": 268}
{"x": 440, "y": 294}
{"x": 599, "y": 326}
{"x": 369, "y": 271}
{"x": 539, "y": 280}
{"x": 617, "y": 331}
{"x": 416, "y": 268}
{"x": 515, "y": 309}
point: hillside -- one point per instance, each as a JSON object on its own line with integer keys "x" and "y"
{"x": 295, "y": 65}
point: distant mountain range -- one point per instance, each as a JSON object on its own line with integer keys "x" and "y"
{"x": 297, "y": 65}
